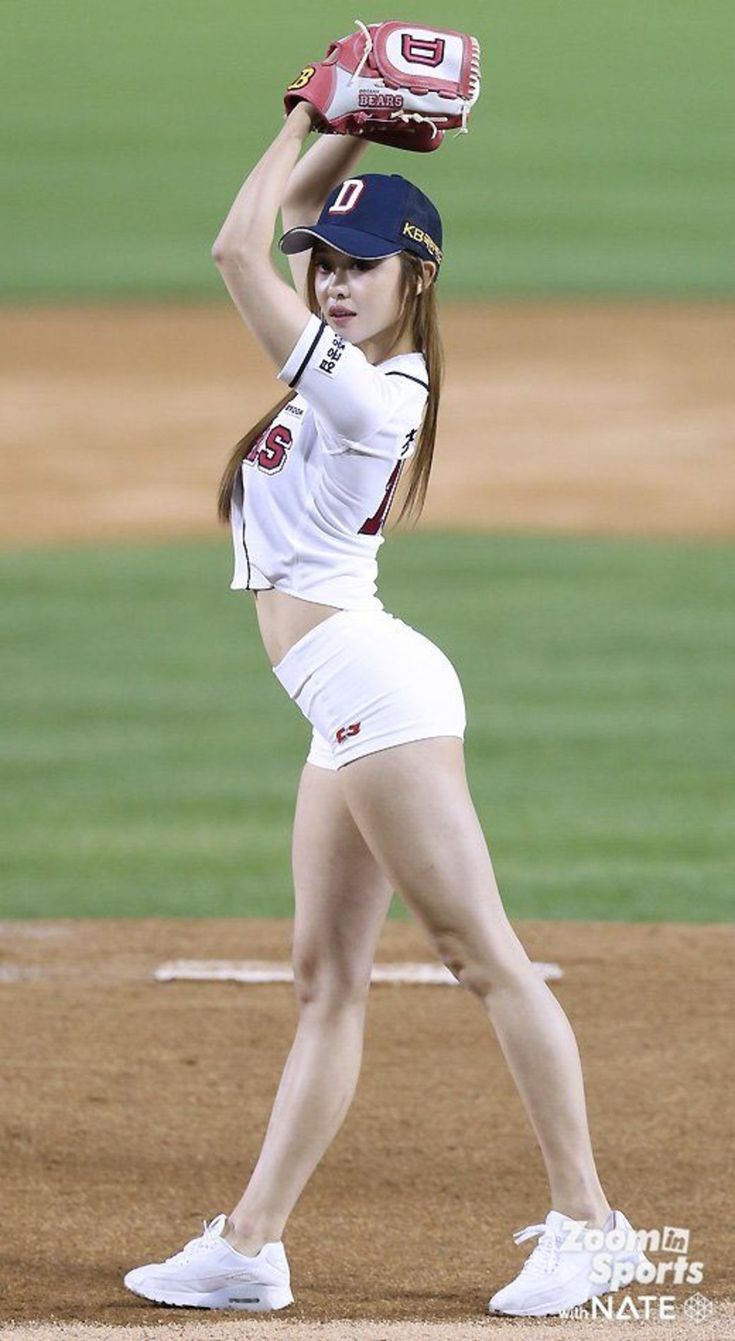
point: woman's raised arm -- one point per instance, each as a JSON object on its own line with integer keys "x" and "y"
{"x": 328, "y": 162}
{"x": 242, "y": 251}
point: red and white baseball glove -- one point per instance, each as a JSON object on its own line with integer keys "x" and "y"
{"x": 401, "y": 84}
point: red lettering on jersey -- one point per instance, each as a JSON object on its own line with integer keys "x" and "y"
{"x": 373, "y": 524}
{"x": 422, "y": 50}
{"x": 272, "y": 455}
{"x": 269, "y": 451}
{"x": 344, "y": 731}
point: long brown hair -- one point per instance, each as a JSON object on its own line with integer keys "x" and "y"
{"x": 419, "y": 316}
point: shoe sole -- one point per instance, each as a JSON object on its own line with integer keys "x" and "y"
{"x": 545, "y": 1312}
{"x": 254, "y": 1299}
{"x": 595, "y": 1292}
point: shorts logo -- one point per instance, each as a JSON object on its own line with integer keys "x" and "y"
{"x": 333, "y": 355}
{"x": 345, "y": 731}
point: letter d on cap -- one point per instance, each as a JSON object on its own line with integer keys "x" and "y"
{"x": 348, "y": 196}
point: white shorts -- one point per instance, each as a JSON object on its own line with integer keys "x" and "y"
{"x": 367, "y": 681}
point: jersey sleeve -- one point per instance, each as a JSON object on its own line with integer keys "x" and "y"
{"x": 359, "y": 408}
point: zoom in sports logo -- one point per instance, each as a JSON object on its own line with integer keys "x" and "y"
{"x": 677, "y": 1268}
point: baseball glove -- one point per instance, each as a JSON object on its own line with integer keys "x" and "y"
{"x": 401, "y": 84}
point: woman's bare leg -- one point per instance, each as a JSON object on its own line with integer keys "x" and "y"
{"x": 342, "y": 898}
{"x": 413, "y": 806}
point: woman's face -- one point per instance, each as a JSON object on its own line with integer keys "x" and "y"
{"x": 359, "y": 299}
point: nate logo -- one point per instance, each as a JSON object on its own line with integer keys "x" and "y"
{"x": 419, "y": 235}
{"x": 345, "y": 731}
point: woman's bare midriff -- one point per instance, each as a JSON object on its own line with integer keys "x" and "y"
{"x": 283, "y": 619}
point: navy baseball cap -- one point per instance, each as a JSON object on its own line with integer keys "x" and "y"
{"x": 372, "y": 217}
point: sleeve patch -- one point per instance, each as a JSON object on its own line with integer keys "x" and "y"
{"x": 332, "y": 357}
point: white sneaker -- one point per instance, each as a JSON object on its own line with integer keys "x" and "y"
{"x": 209, "y": 1273}
{"x": 569, "y": 1266}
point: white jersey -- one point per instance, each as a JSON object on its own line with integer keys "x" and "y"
{"x": 315, "y": 488}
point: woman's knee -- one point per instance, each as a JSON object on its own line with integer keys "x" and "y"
{"x": 329, "y": 982}
{"x": 480, "y": 967}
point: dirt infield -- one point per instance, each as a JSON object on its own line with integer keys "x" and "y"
{"x": 596, "y": 419}
{"x": 133, "y": 1109}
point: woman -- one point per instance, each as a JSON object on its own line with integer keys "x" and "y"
{"x": 383, "y": 801}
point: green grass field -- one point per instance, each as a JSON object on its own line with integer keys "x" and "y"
{"x": 151, "y": 757}
{"x": 601, "y": 158}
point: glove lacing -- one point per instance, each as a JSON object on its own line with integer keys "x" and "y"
{"x": 366, "y": 50}
{"x": 416, "y": 116}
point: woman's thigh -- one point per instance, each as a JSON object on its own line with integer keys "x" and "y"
{"x": 414, "y": 809}
{"x": 342, "y": 894}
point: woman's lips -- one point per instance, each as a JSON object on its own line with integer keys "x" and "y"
{"x": 341, "y": 318}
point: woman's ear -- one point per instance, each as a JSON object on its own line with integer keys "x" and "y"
{"x": 428, "y": 275}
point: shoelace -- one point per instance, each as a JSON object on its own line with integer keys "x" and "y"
{"x": 545, "y": 1256}
{"x": 208, "y": 1239}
